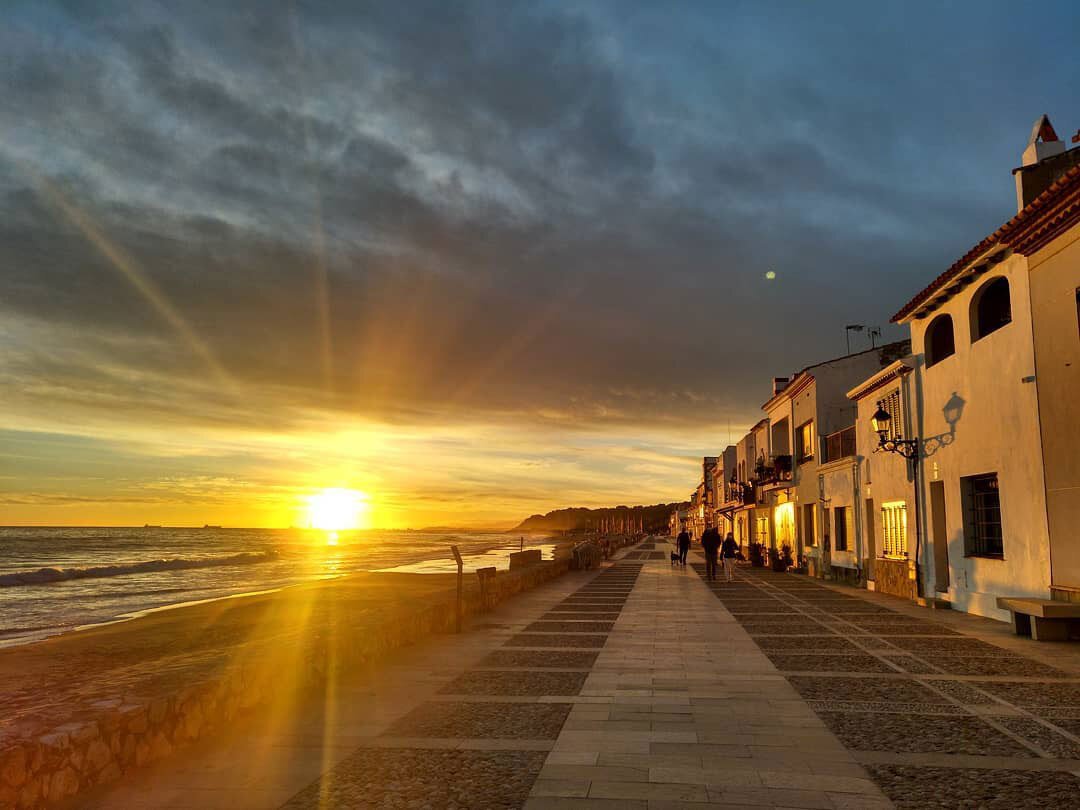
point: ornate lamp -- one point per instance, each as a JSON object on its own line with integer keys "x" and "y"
{"x": 880, "y": 422}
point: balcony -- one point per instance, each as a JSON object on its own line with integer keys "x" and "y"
{"x": 776, "y": 474}
{"x": 838, "y": 445}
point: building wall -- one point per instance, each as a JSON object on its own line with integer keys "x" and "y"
{"x": 887, "y": 478}
{"x": 805, "y": 487}
{"x": 997, "y": 431}
{"x": 1054, "y": 275}
{"x": 837, "y": 483}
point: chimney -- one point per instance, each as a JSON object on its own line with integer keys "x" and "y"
{"x": 779, "y": 384}
{"x": 1044, "y": 160}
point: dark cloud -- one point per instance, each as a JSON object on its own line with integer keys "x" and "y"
{"x": 490, "y": 210}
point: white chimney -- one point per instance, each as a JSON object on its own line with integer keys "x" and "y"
{"x": 1041, "y": 146}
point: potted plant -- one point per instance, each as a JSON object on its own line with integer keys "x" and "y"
{"x": 757, "y": 555}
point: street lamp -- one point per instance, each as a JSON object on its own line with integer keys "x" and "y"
{"x": 880, "y": 422}
{"x": 909, "y": 449}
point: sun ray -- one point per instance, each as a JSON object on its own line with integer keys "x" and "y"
{"x": 127, "y": 268}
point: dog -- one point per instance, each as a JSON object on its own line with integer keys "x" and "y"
{"x": 674, "y": 558}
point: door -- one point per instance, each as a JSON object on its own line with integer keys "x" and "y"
{"x": 871, "y": 539}
{"x": 940, "y": 537}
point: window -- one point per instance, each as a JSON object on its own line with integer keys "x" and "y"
{"x": 842, "y": 532}
{"x": 982, "y": 516}
{"x": 891, "y": 403}
{"x": 938, "y": 342}
{"x": 894, "y": 530}
{"x": 990, "y": 308}
{"x": 804, "y": 441}
{"x": 808, "y": 524}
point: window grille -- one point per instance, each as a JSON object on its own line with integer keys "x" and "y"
{"x": 982, "y": 529}
{"x": 894, "y": 530}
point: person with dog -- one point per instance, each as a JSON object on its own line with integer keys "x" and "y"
{"x": 683, "y": 541}
{"x": 710, "y": 543}
{"x": 728, "y": 551}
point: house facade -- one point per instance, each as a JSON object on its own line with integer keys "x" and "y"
{"x": 885, "y": 483}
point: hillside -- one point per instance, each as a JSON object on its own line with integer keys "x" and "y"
{"x": 619, "y": 518}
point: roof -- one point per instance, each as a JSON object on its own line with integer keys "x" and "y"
{"x": 803, "y": 378}
{"x": 880, "y": 379}
{"x": 1047, "y": 216}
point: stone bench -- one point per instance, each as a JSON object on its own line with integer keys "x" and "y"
{"x": 1042, "y": 619}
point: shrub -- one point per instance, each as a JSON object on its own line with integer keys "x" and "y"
{"x": 757, "y": 555}
{"x": 781, "y": 558}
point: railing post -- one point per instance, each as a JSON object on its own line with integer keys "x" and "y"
{"x": 460, "y": 583}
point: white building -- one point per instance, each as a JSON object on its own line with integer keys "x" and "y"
{"x": 982, "y": 476}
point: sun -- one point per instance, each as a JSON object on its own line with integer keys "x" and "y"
{"x": 335, "y": 510}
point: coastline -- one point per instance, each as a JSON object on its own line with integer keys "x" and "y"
{"x": 427, "y": 560}
{"x": 148, "y": 684}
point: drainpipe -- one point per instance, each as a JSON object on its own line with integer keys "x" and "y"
{"x": 918, "y": 518}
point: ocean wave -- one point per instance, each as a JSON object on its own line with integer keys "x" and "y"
{"x": 45, "y": 576}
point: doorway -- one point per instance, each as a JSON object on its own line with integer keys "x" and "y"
{"x": 940, "y": 537}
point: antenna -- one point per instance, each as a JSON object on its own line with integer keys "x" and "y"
{"x": 852, "y": 327}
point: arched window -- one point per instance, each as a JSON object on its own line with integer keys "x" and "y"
{"x": 938, "y": 341}
{"x": 990, "y": 308}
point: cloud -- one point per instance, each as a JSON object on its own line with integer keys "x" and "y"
{"x": 471, "y": 213}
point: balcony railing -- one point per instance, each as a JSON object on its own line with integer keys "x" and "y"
{"x": 777, "y": 471}
{"x": 838, "y": 445}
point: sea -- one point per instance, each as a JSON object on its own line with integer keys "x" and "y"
{"x": 57, "y": 580}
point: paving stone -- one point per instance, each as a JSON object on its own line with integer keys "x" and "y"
{"x": 556, "y": 640}
{"x": 999, "y": 665}
{"x": 819, "y": 644}
{"x": 423, "y": 778}
{"x": 570, "y": 627}
{"x": 922, "y": 734}
{"x": 540, "y": 659}
{"x": 917, "y": 788}
{"x": 1048, "y": 739}
{"x": 1033, "y": 694}
{"x": 488, "y": 682}
{"x": 902, "y": 690}
{"x": 791, "y": 662}
{"x": 559, "y": 616}
{"x": 530, "y": 721}
{"x": 957, "y": 645}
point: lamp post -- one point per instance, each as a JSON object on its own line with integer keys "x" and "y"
{"x": 909, "y": 449}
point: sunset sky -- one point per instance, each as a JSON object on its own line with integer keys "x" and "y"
{"x": 475, "y": 259}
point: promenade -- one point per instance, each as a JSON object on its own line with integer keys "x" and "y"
{"x": 643, "y": 686}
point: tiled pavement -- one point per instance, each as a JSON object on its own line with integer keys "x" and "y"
{"x": 939, "y": 718}
{"x": 638, "y": 688}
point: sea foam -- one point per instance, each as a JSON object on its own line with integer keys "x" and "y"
{"x": 44, "y": 576}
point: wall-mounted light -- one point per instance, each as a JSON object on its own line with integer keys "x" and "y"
{"x": 880, "y": 422}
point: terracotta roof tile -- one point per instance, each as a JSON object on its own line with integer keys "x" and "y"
{"x": 1047, "y": 216}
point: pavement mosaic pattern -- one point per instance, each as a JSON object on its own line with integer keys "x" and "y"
{"x": 425, "y": 778}
{"x": 482, "y": 740}
{"x": 939, "y": 719}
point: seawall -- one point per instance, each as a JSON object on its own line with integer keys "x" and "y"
{"x": 275, "y": 645}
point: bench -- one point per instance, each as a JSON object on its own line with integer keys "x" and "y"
{"x": 1042, "y": 619}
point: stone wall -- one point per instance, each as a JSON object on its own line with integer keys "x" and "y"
{"x": 110, "y": 738}
{"x": 894, "y": 577}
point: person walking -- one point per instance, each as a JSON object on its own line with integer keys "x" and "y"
{"x": 683, "y": 541}
{"x": 710, "y": 542}
{"x": 728, "y": 551}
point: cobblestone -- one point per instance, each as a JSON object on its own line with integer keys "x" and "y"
{"x": 554, "y": 640}
{"x": 540, "y": 659}
{"x": 922, "y": 735}
{"x": 929, "y": 788}
{"x": 488, "y": 682}
{"x": 520, "y": 721}
{"x": 423, "y": 779}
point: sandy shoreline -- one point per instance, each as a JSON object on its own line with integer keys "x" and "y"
{"x": 151, "y": 653}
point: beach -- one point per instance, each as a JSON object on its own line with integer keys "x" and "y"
{"x": 83, "y": 707}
